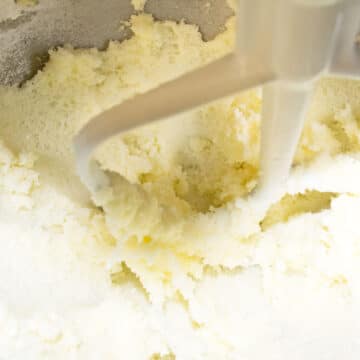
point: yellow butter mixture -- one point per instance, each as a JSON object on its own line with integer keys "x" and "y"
{"x": 172, "y": 261}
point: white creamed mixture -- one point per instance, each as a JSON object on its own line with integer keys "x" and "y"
{"x": 171, "y": 261}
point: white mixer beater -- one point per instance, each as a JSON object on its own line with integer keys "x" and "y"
{"x": 284, "y": 45}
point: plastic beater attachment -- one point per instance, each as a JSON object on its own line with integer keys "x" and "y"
{"x": 284, "y": 45}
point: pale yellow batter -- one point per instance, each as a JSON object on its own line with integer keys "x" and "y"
{"x": 173, "y": 262}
